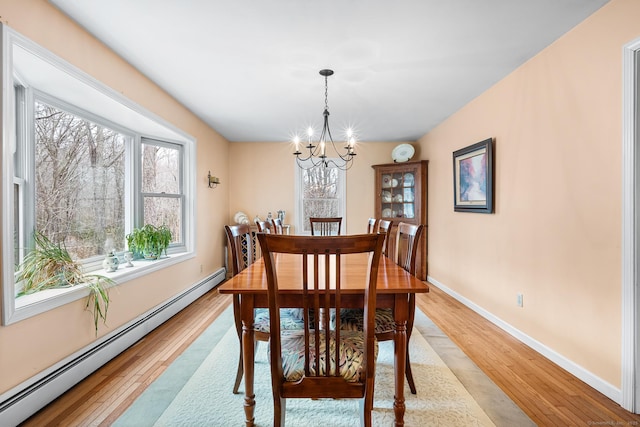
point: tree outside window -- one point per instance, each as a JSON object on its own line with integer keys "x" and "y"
{"x": 162, "y": 186}
{"x": 78, "y": 170}
{"x": 320, "y": 193}
{"x": 79, "y": 182}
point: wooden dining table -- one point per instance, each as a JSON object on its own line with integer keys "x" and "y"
{"x": 394, "y": 286}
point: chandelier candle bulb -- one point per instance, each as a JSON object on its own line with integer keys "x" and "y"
{"x": 309, "y": 135}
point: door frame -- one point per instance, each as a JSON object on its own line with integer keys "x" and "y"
{"x": 630, "y": 398}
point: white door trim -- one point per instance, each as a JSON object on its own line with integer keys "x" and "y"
{"x": 630, "y": 232}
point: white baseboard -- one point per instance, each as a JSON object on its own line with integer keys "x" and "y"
{"x": 19, "y": 403}
{"x": 578, "y": 371}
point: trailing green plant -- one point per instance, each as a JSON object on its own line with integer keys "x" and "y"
{"x": 149, "y": 241}
{"x": 49, "y": 265}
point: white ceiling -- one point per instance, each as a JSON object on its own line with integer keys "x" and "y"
{"x": 250, "y": 68}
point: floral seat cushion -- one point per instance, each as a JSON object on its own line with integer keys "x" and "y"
{"x": 352, "y": 320}
{"x": 289, "y": 319}
{"x": 351, "y": 354}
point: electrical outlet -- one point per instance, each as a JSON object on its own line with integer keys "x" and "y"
{"x": 520, "y": 300}
{"x": 200, "y": 268}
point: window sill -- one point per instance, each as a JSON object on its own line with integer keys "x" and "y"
{"x": 30, "y": 305}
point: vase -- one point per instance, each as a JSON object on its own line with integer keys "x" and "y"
{"x": 111, "y": 262}
{"x": 128, "y": 256}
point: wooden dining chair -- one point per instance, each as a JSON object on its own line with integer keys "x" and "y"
{"x": 264, "y": 226}
{"x": 325, "y": 226}
{"x": 406, "y": 249}
{"x": 278, "y": 227}
{"x": 372, "y": 225}
{"x": 384, "y": 226}
{"x": 240, "y": 245}
{"x": 317, "y": 361}
{"x": 243, "y": 249}
{"x": 406, "y": 255}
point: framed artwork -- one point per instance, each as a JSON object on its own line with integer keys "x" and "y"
{"x": 473, "y": 178}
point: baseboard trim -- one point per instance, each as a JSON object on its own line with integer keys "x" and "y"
{"x": 578, "y": 371}
{"x": 19, "y": 403}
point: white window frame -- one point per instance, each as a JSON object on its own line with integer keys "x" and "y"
{"x": 139, "y": 214}
{"x": 342, "y": 196}
{"x": 28, "y": 64}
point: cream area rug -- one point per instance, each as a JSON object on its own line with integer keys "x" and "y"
{"x": 196, "y": 390}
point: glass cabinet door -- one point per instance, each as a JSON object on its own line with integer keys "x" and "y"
{"x": 398, "y": 195}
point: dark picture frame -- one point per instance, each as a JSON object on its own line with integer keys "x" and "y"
{"x": 473, "y": 178}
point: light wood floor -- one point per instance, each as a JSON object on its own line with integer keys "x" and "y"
{"x": 546, "y": 393}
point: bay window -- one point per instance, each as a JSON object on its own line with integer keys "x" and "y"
{"x": 83, "y": 166}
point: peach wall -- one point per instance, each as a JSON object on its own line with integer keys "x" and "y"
{"x": 32, "y": 345}
{"x": 555, "y": 235}
{"x": 556, "y": 232}
{"x": 263, "y": 179}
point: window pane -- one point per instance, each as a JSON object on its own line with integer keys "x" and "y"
{"x": 320, "y": 194}
{"x": 321, "y": 209}
{"x": 320, "y": 183}
{"x": 160, "y": 169}
{"x": 79, "y": 182}
{"x": 164, "y": 211}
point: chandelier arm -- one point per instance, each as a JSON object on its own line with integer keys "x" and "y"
{"x": 346, "y": 157}
{"x": 346, "y": 165}
{"x": 304, "y": 159}
{"x": 303, "y": 162}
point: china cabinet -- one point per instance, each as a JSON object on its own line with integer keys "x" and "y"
{"x": 401, "y": 196}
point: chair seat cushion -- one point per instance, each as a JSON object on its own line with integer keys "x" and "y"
{"x": 289, "y": 319}
{"x": 351, "y": 361}
{"x": 352, "y": 319}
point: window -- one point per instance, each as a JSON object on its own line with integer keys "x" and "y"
{"x": 320, "y": 192}
{"x": 162, "y": 197}
{"x": 86, "y": 167}
{"x": 79, "y": 174}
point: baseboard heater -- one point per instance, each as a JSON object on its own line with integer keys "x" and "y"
{"x": 21, "y": 402}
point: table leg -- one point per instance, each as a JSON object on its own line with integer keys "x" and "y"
{"x": 400, "y": 356}
{"x": 248, "y": 356}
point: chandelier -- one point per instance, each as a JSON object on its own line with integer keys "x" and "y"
{"x": 316, "y": 154}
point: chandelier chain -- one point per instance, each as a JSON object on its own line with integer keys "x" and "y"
{"x": 326, "y": 93}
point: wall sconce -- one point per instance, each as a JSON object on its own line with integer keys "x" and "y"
{"x": 213, "y": 180}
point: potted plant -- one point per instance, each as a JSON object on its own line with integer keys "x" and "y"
{"x": 49, "y": 265}
{"x": 149, "y": 241}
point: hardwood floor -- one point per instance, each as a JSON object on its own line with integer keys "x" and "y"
{"x": 547, "y": 394}
{"x": 103, "y": 396}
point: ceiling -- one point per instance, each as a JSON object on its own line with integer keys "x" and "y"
{"x": 250, "y": 69}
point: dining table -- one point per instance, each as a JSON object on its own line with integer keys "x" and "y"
{"x": 394, "y": 286}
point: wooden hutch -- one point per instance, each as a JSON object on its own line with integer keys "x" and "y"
{"x": 401, "y": 196}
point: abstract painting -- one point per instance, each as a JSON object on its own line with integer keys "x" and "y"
{"x": 473, "y": 178}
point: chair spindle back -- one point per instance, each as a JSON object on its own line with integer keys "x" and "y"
{"x": 325, "y": 226}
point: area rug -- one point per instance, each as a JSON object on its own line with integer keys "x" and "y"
{"x": 196, "y": 391}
